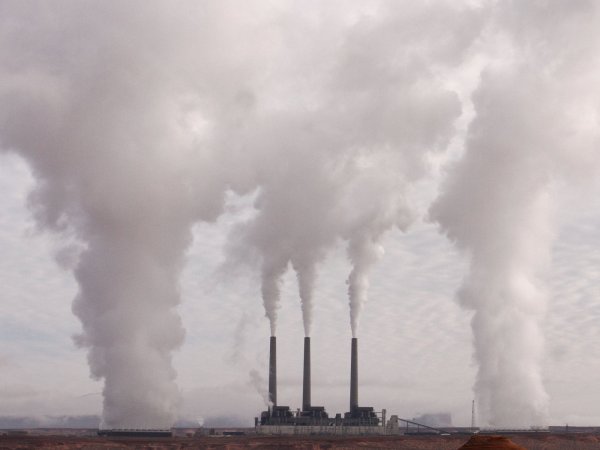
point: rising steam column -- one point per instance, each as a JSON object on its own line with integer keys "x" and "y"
{"x": 358, "y": 415}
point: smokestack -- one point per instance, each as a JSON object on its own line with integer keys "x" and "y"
{"x": 354, "y": 376}
{"x": 306, "y": 384}
{"x": 273, "y": 371}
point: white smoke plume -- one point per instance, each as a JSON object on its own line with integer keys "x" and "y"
{"x": 98, "y": 97}
{"x": 136, "y": 117}
{"x": 336, "y": 161}
{"x": 400, "y": 114}
{"x": 497, "y": 203}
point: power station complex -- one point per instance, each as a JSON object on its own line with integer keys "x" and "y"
{"x": 278, "y": 417}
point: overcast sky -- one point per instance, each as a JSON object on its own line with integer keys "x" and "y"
{"x": 416, "y": 341}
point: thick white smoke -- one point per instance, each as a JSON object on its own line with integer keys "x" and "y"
{"x": 136, "y": 117}
{"x": 497, "y": 203}
{"x": 336, "y": 160}
{"x": 97, "y": 97}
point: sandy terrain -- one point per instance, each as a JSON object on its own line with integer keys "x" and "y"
{"x": 530, "y": 442}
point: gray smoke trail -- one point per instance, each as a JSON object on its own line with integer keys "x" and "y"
{"x": 497, "y": 202}
{"x": 258, "y": 382}
{"x": 306, "y": 276}
{"x": 96, "y": 97}
{"x": 363, "y": 252}
{"x": 271, "y": 290}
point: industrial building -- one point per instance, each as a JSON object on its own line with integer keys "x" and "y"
{"x": 279, "y": 418}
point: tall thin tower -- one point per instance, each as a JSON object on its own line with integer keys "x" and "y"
{"x": 273, "y": 372}
{"x": 354, "y": 376}
{"x": 306, "y": 380}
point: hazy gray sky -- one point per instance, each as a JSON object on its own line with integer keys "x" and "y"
{"x": 176, "y": 169}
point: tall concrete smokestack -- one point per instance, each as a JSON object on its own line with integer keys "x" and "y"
{"x": 273, "y": 371}
{"x": 306, "y": 384}
{"x": 354, "y": 376}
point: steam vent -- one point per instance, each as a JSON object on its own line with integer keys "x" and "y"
{"x": 309, "y": 415}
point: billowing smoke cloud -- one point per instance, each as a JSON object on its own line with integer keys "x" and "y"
{"x": 498, "y": 201}
{"x": 137, "y": 117}
{"x": 338, "y": 159}
{"x": 98, "y": 97}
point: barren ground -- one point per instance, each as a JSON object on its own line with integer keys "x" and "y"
{"x": 531, "y": 442}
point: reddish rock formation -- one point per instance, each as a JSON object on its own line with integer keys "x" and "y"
{"x": 490, "y": 443}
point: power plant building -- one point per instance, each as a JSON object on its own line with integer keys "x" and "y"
{"x": 279, "y": 416}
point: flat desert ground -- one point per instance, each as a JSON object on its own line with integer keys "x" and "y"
{"x": 531, "y": 442}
